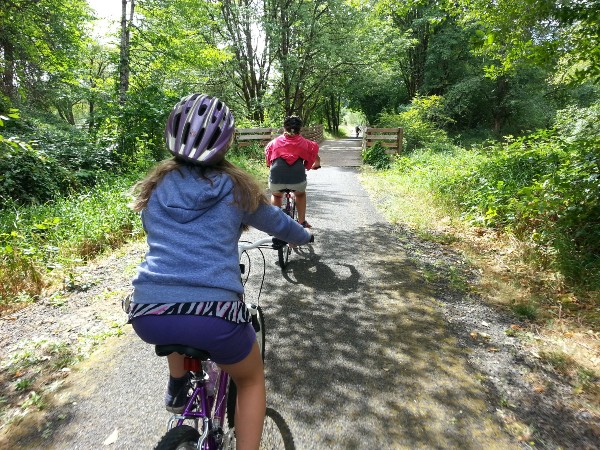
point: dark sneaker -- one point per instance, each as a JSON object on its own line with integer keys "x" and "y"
{"x": 305, "y": 224}
{"x": 177, "y": 393}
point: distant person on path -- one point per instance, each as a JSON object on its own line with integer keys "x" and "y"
{"x": 289, "y": 156}
{"x": 357, "y": 129}
{"x": 188, "y": 289}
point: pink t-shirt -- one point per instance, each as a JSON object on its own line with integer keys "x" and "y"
{"x": 291, "y": 148}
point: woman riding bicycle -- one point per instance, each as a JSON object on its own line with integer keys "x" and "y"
{"x": 188, "y": 289}
{"x": 289, "y": 156}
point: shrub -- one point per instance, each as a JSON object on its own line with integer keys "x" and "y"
{"x": 29, "y": 176}
{"x": 376, "y": 157}
{"x": 421, "y": 122}
{"x": 545, "y": 189}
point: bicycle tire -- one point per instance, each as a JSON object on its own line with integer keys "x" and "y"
{"x": 283, "y": 254}
{"x": 276, "y": 433}
{"x": 183, "y": 437}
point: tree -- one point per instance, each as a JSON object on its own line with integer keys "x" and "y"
{"x": 315, "y": 44}
{"x": 556, "y": 33}
{"x": 124, "y": 48}
{"x": 40, "y": 39}
{"x": 245, "y": 32}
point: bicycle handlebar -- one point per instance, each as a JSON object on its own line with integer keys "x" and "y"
{"x": 273, "y": 242}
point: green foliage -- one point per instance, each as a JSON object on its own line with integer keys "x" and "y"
{"x": 555, "y": 33}
{"x": 56, "y": 236}
{"x": 40, "y": 161}
{"x": 544, "y": 189}
{"x": 376, "y": 157}
{"x": 251, "y": 158}
{"x": 28, "y": 175}
{"x": 421, "y": 122}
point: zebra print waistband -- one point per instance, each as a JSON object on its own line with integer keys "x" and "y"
{"x": 236, "y": 312}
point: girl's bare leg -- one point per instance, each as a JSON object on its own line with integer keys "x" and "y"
{"x": 301, "y": 205}
{"x": 249, "y": 378}
{"x": 176, "y": 369}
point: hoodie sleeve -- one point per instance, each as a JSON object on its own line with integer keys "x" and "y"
{"x": 274, "y": 221}
{"x": 310, "y": 154}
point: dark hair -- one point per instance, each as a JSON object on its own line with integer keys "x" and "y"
{"x": 292, "y": 124}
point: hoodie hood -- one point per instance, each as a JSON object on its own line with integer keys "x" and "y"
{"x": 186, "y": 201}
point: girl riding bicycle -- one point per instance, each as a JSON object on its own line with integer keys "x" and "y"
{"x": 289, "y": 156}
{"x": 188, "y": 290}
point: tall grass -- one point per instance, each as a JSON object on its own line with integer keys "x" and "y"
{"x": 540, "y": 190}
{"x": 41, "y": 240}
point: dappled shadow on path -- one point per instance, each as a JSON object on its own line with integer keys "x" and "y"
{"x": 355, "y": 335}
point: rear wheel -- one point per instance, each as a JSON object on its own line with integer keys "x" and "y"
{"x": 183, "y": 437}
{"x": 284, "y": 253}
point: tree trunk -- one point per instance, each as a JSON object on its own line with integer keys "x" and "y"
{"x": 8, "y": 82}
{"x": 124, "y": 50}
{"x": 500, "y": 111}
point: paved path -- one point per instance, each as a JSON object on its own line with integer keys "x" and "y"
{"x": 358, "y": 353}
{"x": 341, "y": 153}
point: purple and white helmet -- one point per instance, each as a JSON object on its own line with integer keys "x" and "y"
{"x": 199, "y": 129}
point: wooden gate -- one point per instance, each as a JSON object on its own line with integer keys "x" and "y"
{"x": 389, "y": 138}
{"x": 249, "y": 136}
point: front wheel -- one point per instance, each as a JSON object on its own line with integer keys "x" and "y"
{"x": 258, "y": 323}
{"x": 276, "y": 434}
{"x": 283, "y": 255}
{"x": 183, "y": 437}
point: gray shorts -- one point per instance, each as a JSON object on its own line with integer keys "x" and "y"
{"x": 298, "y": 187}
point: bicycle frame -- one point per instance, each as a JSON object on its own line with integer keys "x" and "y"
{"x": 202, "y": 406}
{"x": 289, "y": 203}
{"x": 199, "y": 407}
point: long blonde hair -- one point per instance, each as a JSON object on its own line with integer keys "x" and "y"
{"x": 247, "y": 193}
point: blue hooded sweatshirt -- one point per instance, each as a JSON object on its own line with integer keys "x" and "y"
{"x": 192, "y": 229}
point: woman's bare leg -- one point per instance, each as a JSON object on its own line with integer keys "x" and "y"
{"x": 276, "y": 200}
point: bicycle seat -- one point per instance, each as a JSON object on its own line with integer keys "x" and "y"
{"x": 192, "y": 352}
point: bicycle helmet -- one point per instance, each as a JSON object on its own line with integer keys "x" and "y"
{"x": 199, "y": 129}
{"x": 292, "y": 124}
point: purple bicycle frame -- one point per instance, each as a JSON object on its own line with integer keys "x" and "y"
{"x": 219, "y": 401}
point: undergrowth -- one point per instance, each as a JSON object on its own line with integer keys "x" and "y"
{"x": 40, "y": 243}
{"x": 543, "y": 189}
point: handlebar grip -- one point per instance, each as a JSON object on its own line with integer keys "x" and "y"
{"x": 278, "y": 243}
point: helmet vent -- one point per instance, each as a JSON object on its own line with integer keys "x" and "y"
{"x": 219, "y": 106}
{"x": 185, "y": 133}
{"x": 202, "y": 109}
{"x": 214, "y": 138}
{"x": 199, "y": 137}
{"x": 176, "y": 122}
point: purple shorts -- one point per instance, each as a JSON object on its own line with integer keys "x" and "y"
{"x": 226, "y": 342}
